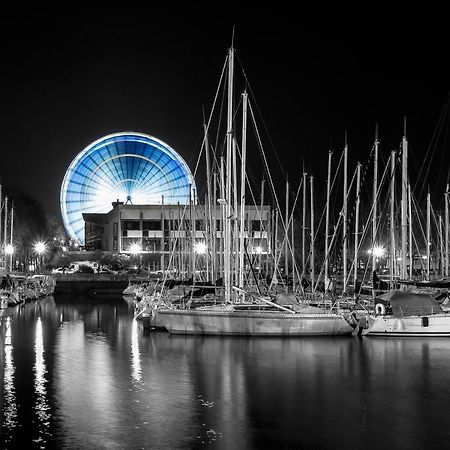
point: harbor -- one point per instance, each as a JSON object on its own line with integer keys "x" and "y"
{"x": 140, "y": 389}
{"x": 228, "y": 231}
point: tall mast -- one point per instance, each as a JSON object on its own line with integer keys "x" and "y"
{"x": 446, "y": 231}
{"x": 222, "y": 222}
{"x": 292, "y": 251}
{"x": 235, "y": 233}
{"x": 327, "y": 220}
{"x": 355, "y": 264}
{"x": 209, "y": 230}
{"x": 404, "y": 225}
{"x": 344, "y": 225}
{"x": 243, "y": 175}
{"x": 214, "y": 258}
{"x": 312, "y": 234}
{"x": 227, "y": 252}
{"x": 428, "y": 233}
{"x": 5, "y": 240}
{"x": 261, "y": 228}
{"x": 410, "y": 228}
{"x": 1, "y": 209}
{"x": 441, "y": 245}
{"x": 374, "y": 197}
{"x": 392, "y": 220}
{"x": 286, "y": 235}
{"x": 11, "y": 235}
{"x": 304, "y": 223}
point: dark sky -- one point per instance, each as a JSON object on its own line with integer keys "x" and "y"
{"x": 69, "y": 77}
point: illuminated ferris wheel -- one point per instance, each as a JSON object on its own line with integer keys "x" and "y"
{"x": 129, "y": 167}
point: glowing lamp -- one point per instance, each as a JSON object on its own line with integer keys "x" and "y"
{"x": 135, "y": 249}
{"x": 39, "y": 247}
{"x": 200, "y": 248}
{"x": 9, "y": 249}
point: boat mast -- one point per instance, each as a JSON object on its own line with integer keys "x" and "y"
{"x": 392, "y": 228}
{"x": 286, "y": 235}
{"x": 312, "y": 234}
{"x": 404, "y": 224}
{"x": 344, "y": 225}
{"x": 260, "y": 228}
{"x": 5, "y": 240}
{"x": 374, "y": 198}
{"x": 355, "y": 263}
{"x": 446, "y": 230}
{"x": 1, "y": 209}
{"x": 214, "y": 258}
{"x": 243, "y": 179}
{"x": 11, "y": 235}
{"x": 441, "y": 245}
{"x": 410, "y": 240}
{"x": 428, "y": 233}
{"x": 235, "y": 233}
{"x": 304, "y": 223}
{"x": 227, "y": 253}
{"x": 327, "y": 221}
{"x": 209, "y": 230}
{"x": 292, "y": 250}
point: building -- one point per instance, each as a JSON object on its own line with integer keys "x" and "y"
{"x": 166, "y": 230}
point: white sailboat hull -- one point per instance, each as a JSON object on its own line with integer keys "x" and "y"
{"x": 252, "y": 323}
{"x": 410, "y": 326}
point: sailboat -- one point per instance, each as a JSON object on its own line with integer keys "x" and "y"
{"x": 411, "y": 311}
{"x": 239, "y": 311}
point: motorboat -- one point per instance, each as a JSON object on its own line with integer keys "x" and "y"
{"x": 404, "y": 314}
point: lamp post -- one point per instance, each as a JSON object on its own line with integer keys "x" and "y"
{"x": 9, "y": 251}
{"x": 40, "y": 248}
{"x": 135, "y": 250}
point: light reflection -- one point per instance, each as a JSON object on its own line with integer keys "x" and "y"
{"x": 41, "y": 405}
{"x": 135, "y": 354}
{"x": 10, "y": 408}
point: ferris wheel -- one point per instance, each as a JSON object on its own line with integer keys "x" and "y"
{"x": 130, "y": 167}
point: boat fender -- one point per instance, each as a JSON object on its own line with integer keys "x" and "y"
{"x": 425, "y": 321}
{"x": 380, "y": 309}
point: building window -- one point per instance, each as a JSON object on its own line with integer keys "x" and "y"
{"x": 151, "y": 225}
{"x": 131, "y": 225}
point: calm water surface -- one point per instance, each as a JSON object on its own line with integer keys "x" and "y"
{"x": 81, "y": 373}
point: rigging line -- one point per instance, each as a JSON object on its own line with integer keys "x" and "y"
{"x": 366, "y": 226}
{"x": 335, "y": 230}
{"x": 438, "y": 128}
{"x": 212, "y": 110}
{"x": 286, "y": 237}
{"x": 260, "y": 115}
{"x": 260, "y": 146}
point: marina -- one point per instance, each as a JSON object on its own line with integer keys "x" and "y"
{"x": 147, "y": 390}
{"x": 222, "y": 231}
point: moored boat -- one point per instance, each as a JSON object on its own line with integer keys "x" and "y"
{"x": 405, "y": 314}
{"x": 229, "y": 320}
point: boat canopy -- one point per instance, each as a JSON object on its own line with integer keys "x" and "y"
{"x": 411, "y": 303}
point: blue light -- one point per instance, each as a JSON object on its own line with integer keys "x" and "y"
{"x": 122, "y": 166}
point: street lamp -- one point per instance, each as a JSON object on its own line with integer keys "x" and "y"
{"x": 9, "y": 251}
{"x": 200, "y": 248}
{"x": 40, "y": 248}
{"x": 136, "y": 249}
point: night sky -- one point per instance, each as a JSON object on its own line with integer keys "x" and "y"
{"x": 69, "y": 77}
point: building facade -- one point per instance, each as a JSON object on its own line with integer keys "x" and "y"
{"x": 173, "y": 229}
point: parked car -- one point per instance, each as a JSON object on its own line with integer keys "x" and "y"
{"x": 63, "y": 270}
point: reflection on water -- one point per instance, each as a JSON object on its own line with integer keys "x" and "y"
{"x": 9, "y": 410}
{"x": 101, "y": 382}
{"x": 41, "y": 404}
{"x": 135, "y": 356}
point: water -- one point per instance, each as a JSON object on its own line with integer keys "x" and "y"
{"x": 81, "y": 373}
